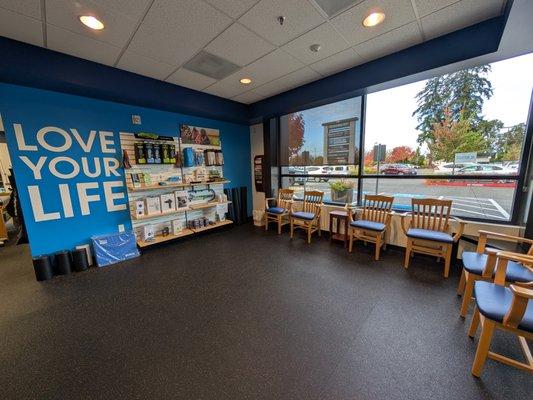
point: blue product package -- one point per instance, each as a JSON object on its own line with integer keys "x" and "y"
{"x": 110, "y": 249}
{"x": 188, "y": 157}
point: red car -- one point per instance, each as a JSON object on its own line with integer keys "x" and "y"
{"x": 398, "y": 169}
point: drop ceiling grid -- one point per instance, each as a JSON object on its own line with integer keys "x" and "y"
{"x": 408, "y": 22}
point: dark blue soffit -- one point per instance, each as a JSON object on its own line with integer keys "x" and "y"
{"x": 470, "y": 42}
{"x": 28, "y": 65}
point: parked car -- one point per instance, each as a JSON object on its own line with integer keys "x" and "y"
{"x": 484, "y": 169}
{"x": 451, "y": 168}
{"x": 343, "y": 170}
{"x": 297, "y": 180}
{"x": 398, "y": 169}
{"x": 318, "y": 170}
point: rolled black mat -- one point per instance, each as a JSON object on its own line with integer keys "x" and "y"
{"x": 244, "y": 204}
{"x": 79, "y": 260}
{"x": 63, "y": 265}
{"x": 43, "y": 268}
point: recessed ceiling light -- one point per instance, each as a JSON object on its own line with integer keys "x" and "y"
{"x": 245, "y": 81}
{"x": 374, "y": 18}
{"x": 315, "y": 48}
{"x": 92, "y": 22}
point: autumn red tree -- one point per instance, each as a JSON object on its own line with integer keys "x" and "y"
{"x": 400, "y": 154}
{"x": 296, "y": 133}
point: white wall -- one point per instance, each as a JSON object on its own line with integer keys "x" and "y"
{"x": 256, "y": 149}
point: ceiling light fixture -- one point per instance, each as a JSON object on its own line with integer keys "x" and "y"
{"x": 245, "y": 81}
{"x": 315, "y": 48}
{"x": 374, "y": 18}
{"x": 92, "y": 22}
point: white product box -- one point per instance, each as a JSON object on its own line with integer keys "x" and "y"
{"x": 168, "y": 202}
{"x": 153, "y": 205}
{"x": 148, "y": 233}
{"x": 182, "y": 199}
{"x": 139, "y": 208}
{"x": 177, "y": 226}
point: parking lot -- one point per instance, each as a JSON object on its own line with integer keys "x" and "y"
{"x": 474, "y": 201}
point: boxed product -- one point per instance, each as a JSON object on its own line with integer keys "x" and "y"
{"x": 177, "y": 226}
{"x": 182, "y": 199}
{"x": 165, "y": 153}
{"x": 166, "y": 229}
{"x": 140, "y": 155}
{"x": 153, "y": 205}
{"x": 148, "y": 233}
{"x": 168, "y": 202}
{"x": 149, "y": 151}
{"x": 171, "y": 153}
{"x": 109, "y": 249}
{"x": 157, "y": 154}
{"x": 139, "y": 208}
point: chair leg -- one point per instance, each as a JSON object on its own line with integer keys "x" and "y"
{"x": 266, "y": 222}
{"x": 407, "y": 253}
{"x": 378, "y": 247}
{"x": 447, "y": 260}
{"x": 474, "y": 324}
{"x": 487, "y": 329}
{"x": 279, "y": 225}
{"x": 461, "y": 287}
{"x": 309, "y": 228}
{"x": 350, "y": 244}
{"x": 467, "y": 295}
{"x": 319, "y": 226}
{"x": 292, "y": 228}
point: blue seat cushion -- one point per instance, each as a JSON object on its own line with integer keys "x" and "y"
{"x": 428, "y": 234}
{"x": 474, "y": 263}
{"x": 370, "y": 225}
{"x": 304, "y": 215}
{"x": 493, "y": 301}
{"x": 276, "y": 210}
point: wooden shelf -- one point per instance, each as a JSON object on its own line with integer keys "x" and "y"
{"x": 163, "y": 214}
{"x": 161, "y": 239}
{"x": 194, "y": 207}
{"x": 206, "y": 228}
{"x": 173, "y": 185}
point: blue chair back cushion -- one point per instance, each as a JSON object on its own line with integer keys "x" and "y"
{"x": 493, "y": 301}
{"x": 474, "y": 263}
{"x": 370, "y": 225}
{"x": 427, "y": 234}
{"x": 304, "y": 215}
{"x": 276, "y": 210}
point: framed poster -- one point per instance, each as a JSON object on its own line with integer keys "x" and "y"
{"x": 197, "y": 135}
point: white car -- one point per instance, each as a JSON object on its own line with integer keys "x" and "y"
{"x": 484, "y": 169}
{"x": 450, "y": 168}
{"x": 313, "y": 171}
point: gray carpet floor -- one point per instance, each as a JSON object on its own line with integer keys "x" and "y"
{"x": 244, "y": 314}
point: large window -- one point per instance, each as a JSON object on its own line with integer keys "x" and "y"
{"x": 458, "y": 136}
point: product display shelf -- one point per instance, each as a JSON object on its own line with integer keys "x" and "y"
{"x": 163, "y": 214}
{"x": 162, "y": 239}
{"x": 174, "y": 185}
{"x": 216, "y": 225}
{"x": 206, "y": 205}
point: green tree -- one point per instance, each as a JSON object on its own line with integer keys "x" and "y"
{"x": 510, "y": 143}
{"x": 432, "y": 101}
{"x": 296, "y": 133}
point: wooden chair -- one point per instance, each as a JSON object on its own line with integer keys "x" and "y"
{"x": 506, "y": 308}
{"x": 280, "y": 212}
{"x": 373, "y": 223}
{"x": 309, "y": 217}
{"x": 480, "y": 265}
{"x": 428, "y": 230}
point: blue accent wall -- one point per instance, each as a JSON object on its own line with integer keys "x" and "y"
{"x": 34, "y": 109}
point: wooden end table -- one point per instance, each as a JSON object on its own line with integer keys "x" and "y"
{"x": 339, "y": 216}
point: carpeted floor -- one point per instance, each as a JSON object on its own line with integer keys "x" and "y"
{"x": 244, "y": 314}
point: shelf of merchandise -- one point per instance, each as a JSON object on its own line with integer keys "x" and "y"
{"x": 162, "y": 214}
{"x": 194, "y": 207}
{"x": 174, "y": 185}
{"x": 162, "y": 239}
{"x": 216, "y": 225}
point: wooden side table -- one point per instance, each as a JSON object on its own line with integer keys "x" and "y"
{"x": 339, "y": 216}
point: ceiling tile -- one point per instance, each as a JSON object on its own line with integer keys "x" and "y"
{"x": 64, "y": 14}
{"x": 287, "y": 82}
{"x": 81, "y": 46}
{"x": 19, "y": 27}
{"x": 142, "y": 65}
{"x": 190, "y": 79}
{"x": 300, "y": 16}
{"x": 173, "y": 31}
{"x": 324, "y": 35}
{"x": 239, "y": 45}
{"x": 132, "y": 8}
{"x": 29, "y": 8}
{"x": 460, "y": 15}
{"x": 350, "y": 23}
{"x": 337, "y": 63}
{"x": 249, "y": 97}
{"x": 426, "y": 7}
{"x": 332, "y": 7}
{"x": 228, "y": 87}
{"x": 234, "y": 8}
{"x": 390, "y": 42}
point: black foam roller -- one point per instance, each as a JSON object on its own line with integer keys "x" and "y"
{"x": 244, "y": 204}
{"x": 79, "y": 260}
{"x": 63, "y": 265}
{"x": 43, "y": 268}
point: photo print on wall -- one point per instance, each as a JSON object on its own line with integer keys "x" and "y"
{"x": 197, "y": 135}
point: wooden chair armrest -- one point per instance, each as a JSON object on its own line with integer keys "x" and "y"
{"x": 518, "y": 239}
{"x": 521, "y": 291}
{"x": 503, "y": 259}
{"x": 521, "y": 297}
{"x": 461, "y": 229}
{"x": 402, "y": 220}
{"x": 518, "y": 257}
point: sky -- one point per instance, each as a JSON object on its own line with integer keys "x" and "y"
{"x": 388, "y": 113}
